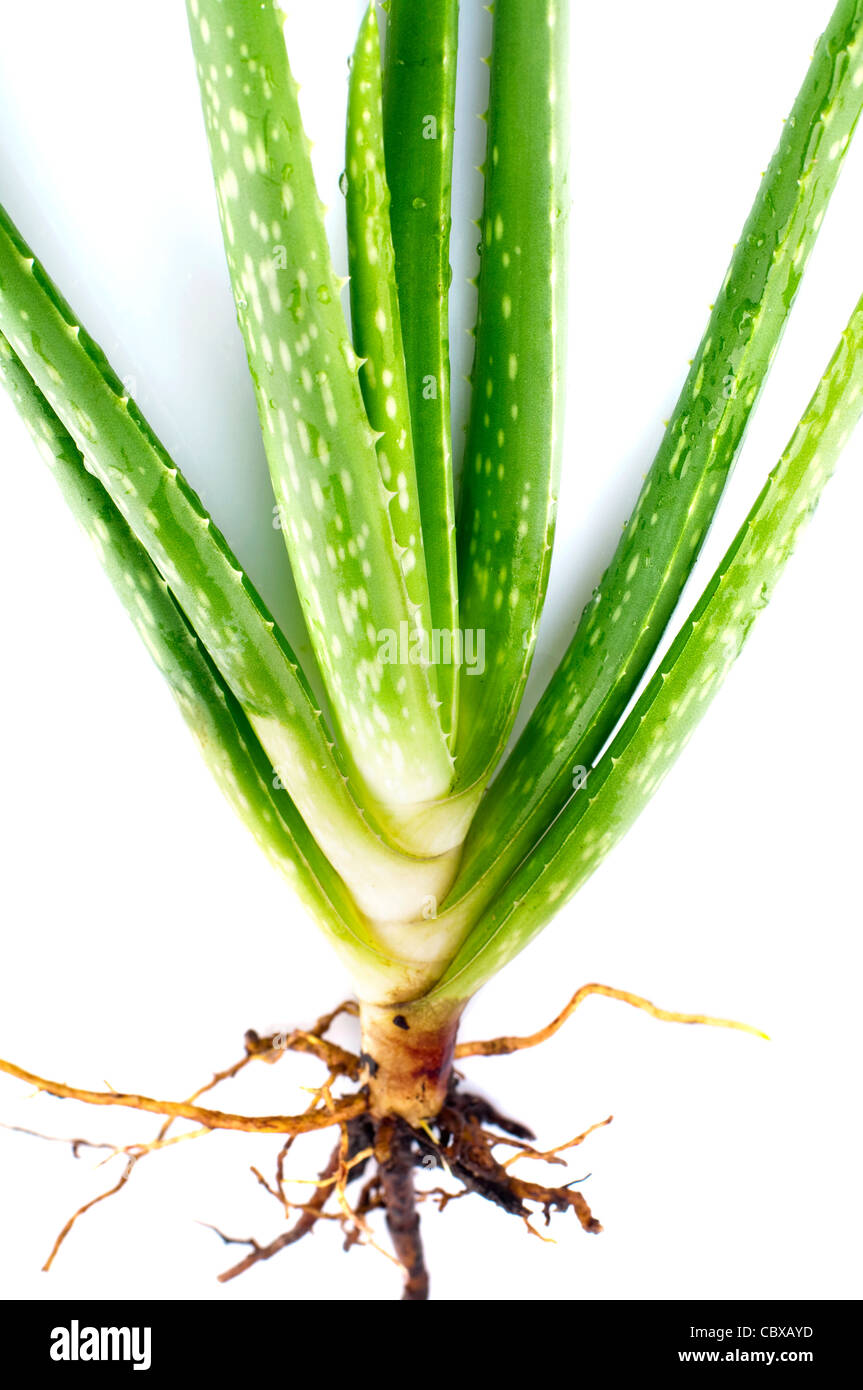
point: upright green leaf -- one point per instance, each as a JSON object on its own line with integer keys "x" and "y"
{"x": 377, "y": 326}
{"x": 419, "y": 121}
{"x": 512, "y": 457}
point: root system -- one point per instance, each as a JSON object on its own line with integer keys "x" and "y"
{"x": 372, "y": 1170}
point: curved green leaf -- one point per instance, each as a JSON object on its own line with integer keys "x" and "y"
{"x": 690, "y": 674}
{"x": 217, "y": 597}
{"x": 226, "y": 738}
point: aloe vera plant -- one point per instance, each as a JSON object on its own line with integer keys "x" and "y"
{"x": 427, "y": 875}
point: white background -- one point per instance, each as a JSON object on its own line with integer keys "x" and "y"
{"x": 144, "y": 932}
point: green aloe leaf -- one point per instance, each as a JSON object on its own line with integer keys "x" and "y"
{"x": 335, "y": 508}
{"x": 226, "y": 738}
{"x": 217, "y": 597}
{"x": 623, "y": 623}
{"x": 512, "y": 457}
{"x": 376, "y": 321}
{"x": 689, "y": 676}
{"x": 419, "y": 121}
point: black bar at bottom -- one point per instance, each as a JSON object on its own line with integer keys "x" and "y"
{"x": 67, "y": 1338}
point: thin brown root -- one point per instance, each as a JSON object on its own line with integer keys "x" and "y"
{"x": 371, "y": 1199}
{"x": 501, "y": 1047}
{"x": 440, "y": 1196}
{"x": 133, "y": 1153}
{"x": 552, "y": 1155}
{"x": 94, "y": 1201}
{"x": 304, "y": 1224}
{"x": 342, "y": 1175}
{"x": 346, "y": 1161}
{"x": 74, "y": 1144}
{"x": 337, "y": 1059}
{"x": 532, "y": 1231}
{"x": 341, "y": 1110}
{"x": 353, "y": 1218}
{"x": 312, "y": 1041}
{"x": 140, "y": 1150}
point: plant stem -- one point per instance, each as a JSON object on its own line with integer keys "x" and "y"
{"x": 408, "y": 1049}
